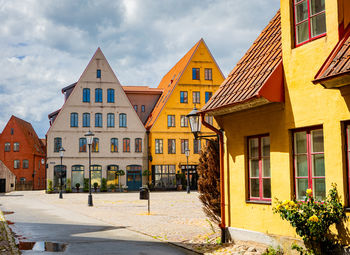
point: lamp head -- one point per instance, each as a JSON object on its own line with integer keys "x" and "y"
{"x": 89, "y": 137}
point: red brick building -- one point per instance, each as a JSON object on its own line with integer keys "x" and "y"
{"x": 23, "y": 153}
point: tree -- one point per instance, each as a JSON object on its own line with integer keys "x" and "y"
{"x": 209, "y": 181}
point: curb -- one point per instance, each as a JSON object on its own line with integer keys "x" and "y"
{"x": 9, "y": 236}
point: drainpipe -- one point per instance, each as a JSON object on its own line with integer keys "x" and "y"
{"x": 147, "y": 155}
{"x": 222, "y": 184}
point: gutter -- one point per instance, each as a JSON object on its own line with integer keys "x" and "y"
{"x": 222, "y": 184}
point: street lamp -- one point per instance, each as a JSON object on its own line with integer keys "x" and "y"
{"x": 62, "y": 150}
{"x": 187, "y": 153}
{"x": 195, "y": 122}
{"x": 89, "y": 137}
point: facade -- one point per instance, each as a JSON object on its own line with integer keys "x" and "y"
{"x": 191, "y": 82}
{"x": 97, "y": 102}
{"x": 285, "y": 114}
{"x": 7, "y": 179}
{"x": 23, "y": 153}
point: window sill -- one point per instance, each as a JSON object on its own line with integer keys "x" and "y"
{"x": 258, "y": 202}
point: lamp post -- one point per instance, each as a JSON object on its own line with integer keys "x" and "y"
{"x": 62, "y": 150}
{"x": 89, "y": 137}
{"x": 187, "y": 153}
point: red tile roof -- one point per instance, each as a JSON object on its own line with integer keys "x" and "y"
{"x": 168, "y": 83}
{"x": 142, "y": 90}
{"x": 30, "y": 134}
{"x": 258, "y": 74}
{"x": 338, "y": 62}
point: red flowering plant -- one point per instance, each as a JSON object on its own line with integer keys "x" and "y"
{"x": 312, "y": 219}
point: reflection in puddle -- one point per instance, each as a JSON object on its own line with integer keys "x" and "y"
{"x": 42, "y": 246}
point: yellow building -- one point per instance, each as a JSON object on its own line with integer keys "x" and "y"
{"x": 285, "y": 114}
{"x": 192, "y": 81}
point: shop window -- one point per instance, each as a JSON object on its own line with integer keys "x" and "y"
{"x": 259, "y": 168}
{"x": 309, "y": 163}
{"x": 164, "y": 176}
{"x": 77, "y": 176}
{"x": 309, "y": 20}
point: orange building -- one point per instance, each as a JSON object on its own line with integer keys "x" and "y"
{"x": 23, "y": 153}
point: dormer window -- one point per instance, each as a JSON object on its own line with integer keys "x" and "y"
{"x": 309, "y": 20}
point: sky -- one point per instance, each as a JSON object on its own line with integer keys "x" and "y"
{"x": 46, "y": 45}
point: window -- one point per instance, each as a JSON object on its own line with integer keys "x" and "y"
{"x": 110, "y": 95}
{"x": 159, "y": 146}
{"x": 112, "y": 177}
{"x": 183, "y": 97}
{"x": 126, "y": 145}
{"x": 209, "y": 119}
{"x": 208, "y": 74}
{"x": 171, "y": 146}
{"x": 22, "y": 179}
{"x": 171, "y": 120}
{"x": 110, "y": 120}
{"x": 77, "y": 175}
{"x": 183, "y": 121}
{"x": 309, "y": 20}
{"x": 135, "y": 108}
{"x": 195, "y": 73}
{"x": 196, "y": 97}
{"x": 347, "y": 149}
{"x": 82, "y": 144}
{"x": 95, "y": 144}
{"x": 25, "y": 163}
{"x": 138, "y": 145}
{"x": 259, "y": 168}
{"x": 98, "y": 119}
{"x": 114, "y": 144}
{"x": 57, "y": 144}
{"x": 122, "y": 120}
{"x": 98, "y": 95}
{"x": 98, "y": 73}
{"x": 7, "y": 147}
{"x": 74, "y": 119}
{"x": 86, "y": 119}
{"x": 164, "y": 176}
{"x": 208, "y": 95}
{"x": 16, "y": 164}
{"x": 12, "y": 131}
{"x": 184, "y": 145}
{"x": 15, "y": 146}
{"x": 309, "y": 163}
{"x": 196, "y": 146}
{"x": 142, "y": 108}
{"x": 96, "y": 174}
{"x": 86, "y": 95}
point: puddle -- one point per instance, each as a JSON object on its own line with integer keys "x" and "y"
{"x": 42, "y": 246}
{"x": 7, "y": 212}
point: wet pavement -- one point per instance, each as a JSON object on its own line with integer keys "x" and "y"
{"x": 43, "y": 223}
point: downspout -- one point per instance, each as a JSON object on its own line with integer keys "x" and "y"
{"x": 222, "y": 184}
{"x": 45, "y": 165}
{"x": 147, "y": 155}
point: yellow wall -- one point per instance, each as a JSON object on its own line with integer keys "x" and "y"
{"x": 160, "y": 130}
{"x": 305, "y": 105}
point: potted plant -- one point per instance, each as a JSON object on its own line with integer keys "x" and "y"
{"x": 77, "y": 186}
{"x": 95, "y": 186}
{"x": 104, "y": 185}
{"x": 125, "y": 188}
{"x": 69, "y": 186}
{"x": 86, "y": 185}
{"x": 49, "y": 187}
{"x": 112, "y": 187}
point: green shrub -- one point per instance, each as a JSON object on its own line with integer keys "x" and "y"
{"x": 272, "y": 251}
{"x": 77, "y": 186}
{"x": 95, "y": 186}
{"x": 312, "y": 219}
{"x": 86, "y": 185}
{"x": 49, "y": 186}
{"x": 112, "y": 187}
{"x": 104, "y": 185}
{"x": 69, "y": 186}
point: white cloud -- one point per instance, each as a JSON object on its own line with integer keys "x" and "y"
{"x": 47, "y": 44}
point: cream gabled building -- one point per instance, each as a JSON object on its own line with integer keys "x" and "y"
{"x": 97, "y": 102}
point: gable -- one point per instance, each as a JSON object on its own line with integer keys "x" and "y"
{"x": 89, "y": 80}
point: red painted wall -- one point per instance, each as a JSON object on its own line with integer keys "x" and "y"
{"x": 26, "y": 151}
